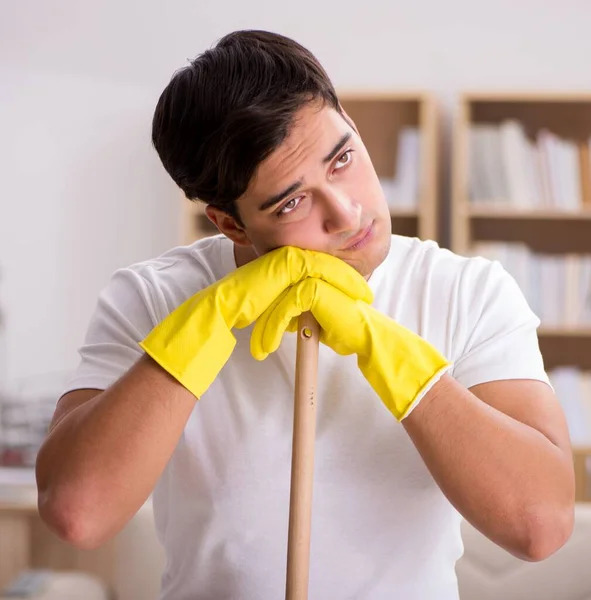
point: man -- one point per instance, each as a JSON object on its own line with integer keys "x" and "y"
{"x": 434, "y": 402}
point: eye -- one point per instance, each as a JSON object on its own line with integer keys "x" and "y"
{"x": 289, "y": 206}
{"x": 344, "y": 160}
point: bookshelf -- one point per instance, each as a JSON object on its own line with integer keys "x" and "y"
{"x": 401, "y": 133}
{"x": 521, "y": 189}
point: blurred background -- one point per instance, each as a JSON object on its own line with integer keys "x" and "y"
{"x": 477, "y": 117}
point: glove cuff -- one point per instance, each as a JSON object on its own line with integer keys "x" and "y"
{"x": 194, "y": 362}
{"x": 402, "y": 368}
{"x": 425, "y": 390}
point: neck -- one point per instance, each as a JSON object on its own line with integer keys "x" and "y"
{"x": 243, "y": 255}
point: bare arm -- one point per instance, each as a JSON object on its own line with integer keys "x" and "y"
{"x": 106, "y": 450}
{"x": 501, "y": 454}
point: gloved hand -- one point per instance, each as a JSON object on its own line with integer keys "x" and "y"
{"x": 400, "y": 365}
{"x": 194, "y": 342}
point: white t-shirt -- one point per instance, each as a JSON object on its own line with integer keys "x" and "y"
{"x": 381, "y": 527}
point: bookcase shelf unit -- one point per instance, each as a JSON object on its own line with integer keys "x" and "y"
{"x": 546, "y": 229}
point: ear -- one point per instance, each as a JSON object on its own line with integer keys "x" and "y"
{"x": 227, "y": 225}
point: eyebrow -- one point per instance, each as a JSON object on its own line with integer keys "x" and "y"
{"x": 294, "y": 186}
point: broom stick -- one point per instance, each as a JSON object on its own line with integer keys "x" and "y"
{"x": 302, "y": 459}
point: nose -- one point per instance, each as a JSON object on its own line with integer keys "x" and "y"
{"x": 341, "y": 213}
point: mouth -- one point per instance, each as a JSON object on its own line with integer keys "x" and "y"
{"x": 361, "y": 239}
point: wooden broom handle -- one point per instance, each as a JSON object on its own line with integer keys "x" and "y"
{"x": 302, "y": 459}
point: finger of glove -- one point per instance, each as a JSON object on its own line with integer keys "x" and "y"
{"x": 280, "y": 316}
{"x": 341, "y": 318}
{"x": 292, "y": 327}
{"x": 341, "y": 275}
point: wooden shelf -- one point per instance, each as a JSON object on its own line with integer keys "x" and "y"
{"x": 582, "y": 332}
{"x": 581, "y": 460}
{"x": 566, "y": 346}
{"x": 478, "y": 211}
{"x": 547, "y": 236}
{"x": 404, "y": 213}
{"x": 380, "y": 116}
{"x": 560, "y": 350}
{"x": 526, "y": 96}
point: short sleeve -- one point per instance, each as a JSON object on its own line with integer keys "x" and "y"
{"x": 496, "y": 329}
{"x": 123, "y": 316}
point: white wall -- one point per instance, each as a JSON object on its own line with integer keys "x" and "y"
{"x": 81, "y": 189}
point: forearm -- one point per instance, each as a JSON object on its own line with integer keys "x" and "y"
{"x": 506, "y": 478}
{"x": 100, "y": 463}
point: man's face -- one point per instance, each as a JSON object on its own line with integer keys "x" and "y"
{"x": 318, "y": 191}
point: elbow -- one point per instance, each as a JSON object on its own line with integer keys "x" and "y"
{"x": 546, "y": 532}
{"x": 68, "y": 519}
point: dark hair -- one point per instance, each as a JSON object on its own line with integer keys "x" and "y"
{"x": 222, "y": 115}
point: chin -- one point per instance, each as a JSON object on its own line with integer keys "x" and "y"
{"x": 370, "y": 258}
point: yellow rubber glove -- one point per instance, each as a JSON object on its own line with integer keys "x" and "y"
{"x": 194, "y": 342}
{"x": 400, "y": 365}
